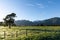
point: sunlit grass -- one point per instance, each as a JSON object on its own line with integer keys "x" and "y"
{"x": 22, "y": 33}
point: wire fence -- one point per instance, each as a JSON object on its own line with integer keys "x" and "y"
{"x": 14, "y": 34}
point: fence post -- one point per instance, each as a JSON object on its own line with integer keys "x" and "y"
{"x": 16, "y": 33}
{"x": 26, "y": 32}
{"x": 4, "y": 34}
{"x": 12, "y": 34}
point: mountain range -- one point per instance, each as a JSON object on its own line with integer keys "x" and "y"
{"x": 48, "y": 22}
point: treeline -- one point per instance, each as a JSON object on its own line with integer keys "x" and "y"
{"x": 3, "y": 24}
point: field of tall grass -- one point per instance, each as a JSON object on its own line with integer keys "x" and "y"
{"x": 30, "y": 33}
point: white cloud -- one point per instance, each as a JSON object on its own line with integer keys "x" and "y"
{"x": 29, "y": 4}
{"x": 51, "y": 2}
{"x": 40, "y": 5}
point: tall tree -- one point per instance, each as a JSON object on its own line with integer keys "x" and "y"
{"x": 9, "y": 19}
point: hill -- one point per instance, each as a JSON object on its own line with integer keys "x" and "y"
{"x": 24, "y": 23}
{"x": 47, "y": 22}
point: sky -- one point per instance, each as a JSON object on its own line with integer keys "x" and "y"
{"x": 30, "y": 9}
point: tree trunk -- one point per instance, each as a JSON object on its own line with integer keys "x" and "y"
{"x": 9, "y": 26}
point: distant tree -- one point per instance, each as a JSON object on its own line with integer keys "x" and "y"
{"x": 42, "y": 25}
{"x": 1, "y": 23}
{"x": 9, "y": 19}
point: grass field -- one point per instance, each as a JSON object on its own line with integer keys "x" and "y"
{"x": 30, "y": 33}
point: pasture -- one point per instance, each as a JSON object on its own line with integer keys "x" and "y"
{"x": 30, "y": 33}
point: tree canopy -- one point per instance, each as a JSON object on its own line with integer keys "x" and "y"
{"x": 9, "y": 19}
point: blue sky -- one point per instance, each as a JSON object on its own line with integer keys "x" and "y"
{"x": 30, "y": 9}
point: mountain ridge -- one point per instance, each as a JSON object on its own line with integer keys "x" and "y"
{"x": 48, "y": 22}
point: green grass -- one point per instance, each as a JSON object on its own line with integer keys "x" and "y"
{"x": 21, "y": 34}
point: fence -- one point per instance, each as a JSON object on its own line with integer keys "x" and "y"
{"x": 15, "y": 34}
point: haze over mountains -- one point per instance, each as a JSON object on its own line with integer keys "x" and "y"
{"x": 47, "y": 22}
